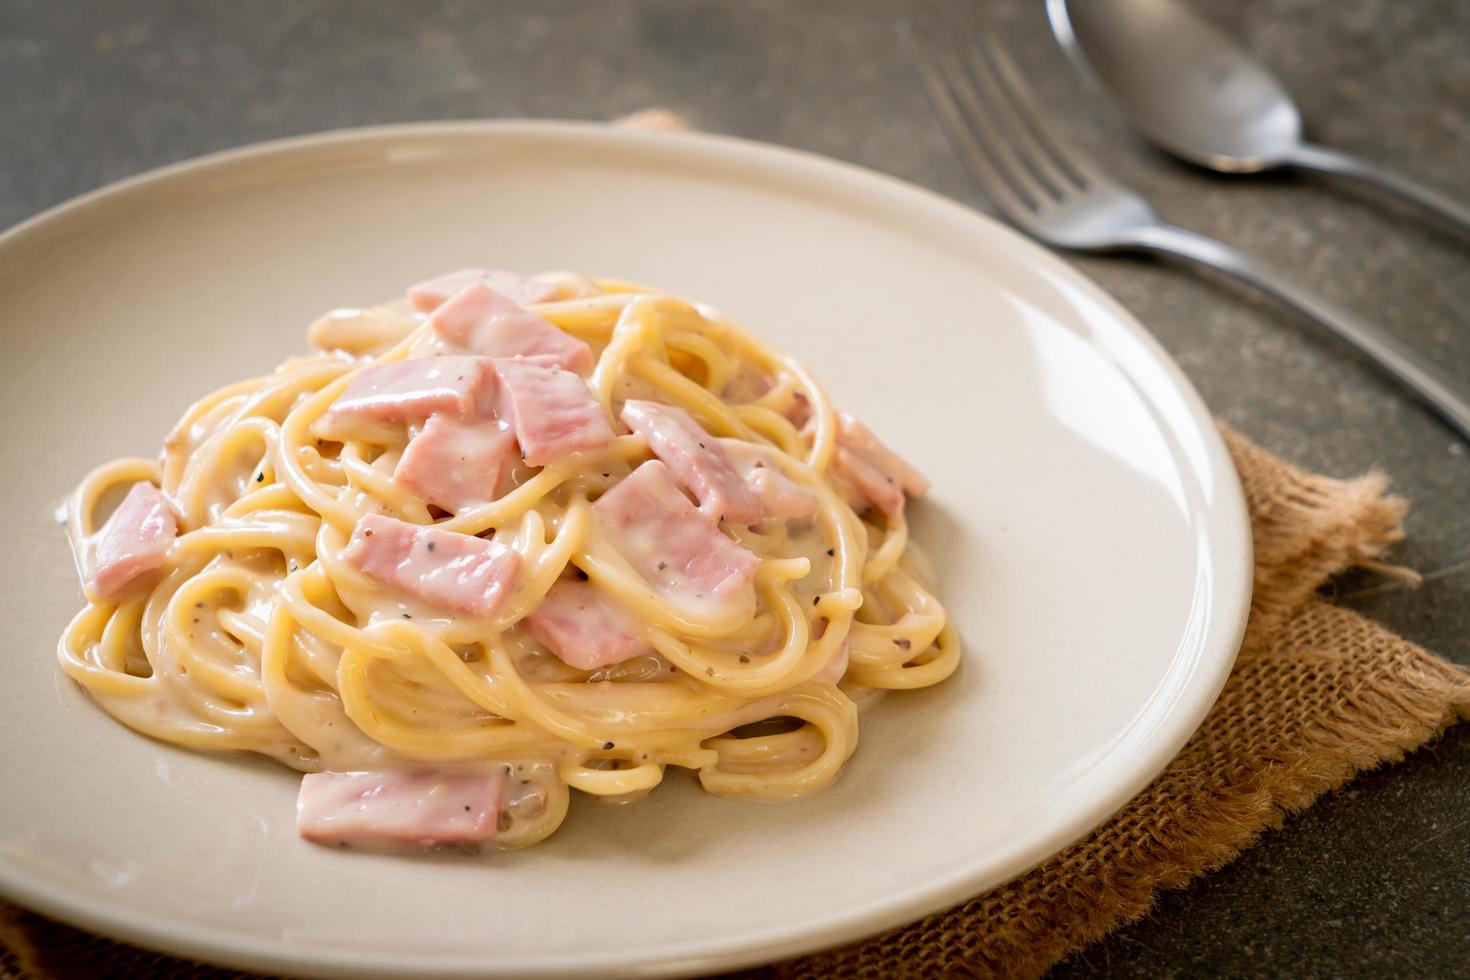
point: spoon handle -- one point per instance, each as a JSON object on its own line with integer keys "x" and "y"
{"x": 1449, "y": 397}
{"x": 1315, "y": 157}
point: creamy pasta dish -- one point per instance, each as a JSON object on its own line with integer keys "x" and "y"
{"x": 500, "y": 539}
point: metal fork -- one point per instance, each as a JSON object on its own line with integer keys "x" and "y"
{"x": 1057, "y": 195}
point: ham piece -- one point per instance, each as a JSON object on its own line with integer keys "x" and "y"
{"x": 443, "y": 569}
{"x": 877, "y": 472}
{"x": 696, "y": 459}
{"x": 583, "y": 629}
{"x": 781, "y": 498}
{"x": 411, "y": 390}
{"x": 659, "y": 532}
{"x": 478, "y": 320}
{"x": 552, "y": 410}
{"x": 455, "y": 464}
{"x": 133, "y": 541}
{"x": 423, "y": 807}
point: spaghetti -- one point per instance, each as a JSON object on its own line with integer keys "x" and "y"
{"x": 265, "y": 622}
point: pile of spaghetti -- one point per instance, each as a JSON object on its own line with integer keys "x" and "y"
{"x": 501, "y": 538}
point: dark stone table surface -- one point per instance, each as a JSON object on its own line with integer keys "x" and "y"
{"x": 1372, "y": 881}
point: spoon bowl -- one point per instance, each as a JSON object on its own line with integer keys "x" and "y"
{"x": 1198, "y": 94}
{"x": 1188, "y": 86}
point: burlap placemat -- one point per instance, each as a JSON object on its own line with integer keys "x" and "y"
{"x": 1318, "y": 695}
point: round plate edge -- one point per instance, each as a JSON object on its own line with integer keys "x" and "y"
{"x": 734, "y": 952}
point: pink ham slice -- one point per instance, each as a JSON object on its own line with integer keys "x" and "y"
{"x": 878, "y": 473}
{"x": 582, "y": 628}
{"x": 697, "y": 460}
{"x": 478, "y": 320}
{"x": 553, "y": 411}
{"x": 658, "y": 530}
{"x": 133, "y": 541}
{"x": 780, "y": 497}
{"x": 455, "y": 464}
{"x": 417, "y": 807}
{"x": 443, "y": 569}
{"x": 413, "y": 389}
{"x": 430, "y": 294}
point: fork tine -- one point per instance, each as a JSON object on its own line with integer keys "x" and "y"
{"x": 1077, "y": 165}
{"x": 994, "y": 100}
{"x": 990, "y": 129}
{"x": 962, "y": 135}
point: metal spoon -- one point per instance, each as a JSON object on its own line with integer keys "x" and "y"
{"x": 1199, "y": 95}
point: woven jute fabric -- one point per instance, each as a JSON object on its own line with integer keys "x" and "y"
{"x": 1318, "y": 694}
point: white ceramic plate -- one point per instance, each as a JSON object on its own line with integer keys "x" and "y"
{"x": 1085, "y": 521}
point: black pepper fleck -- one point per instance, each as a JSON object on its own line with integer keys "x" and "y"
{"x": 429, "y": 545}
{"x": 467, "y": 808}
{"x": 407, "y": 616}
{"x": 744, "y": 659}
{"x": 581, "y": 575}
{"x": 260, "y": 478}
{"x": 662, "y": 565}
{"x": 606, "y": 746}
{"x": 831, "y": 552}
{"x": 816, "y": 599}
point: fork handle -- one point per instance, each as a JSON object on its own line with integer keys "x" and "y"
{"x": 1446, "y": 395}
{"x": 1315, "y": 157}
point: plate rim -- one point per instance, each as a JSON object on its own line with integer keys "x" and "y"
{"x": 1227, "y": 517}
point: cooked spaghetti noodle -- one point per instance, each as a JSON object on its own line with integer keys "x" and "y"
{"x": 261, "y": 627}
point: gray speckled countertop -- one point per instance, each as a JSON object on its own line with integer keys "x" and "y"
{"x": 1372, "y": 881}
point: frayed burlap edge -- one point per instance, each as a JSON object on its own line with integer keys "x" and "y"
{"x": 1307, "y": 527}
